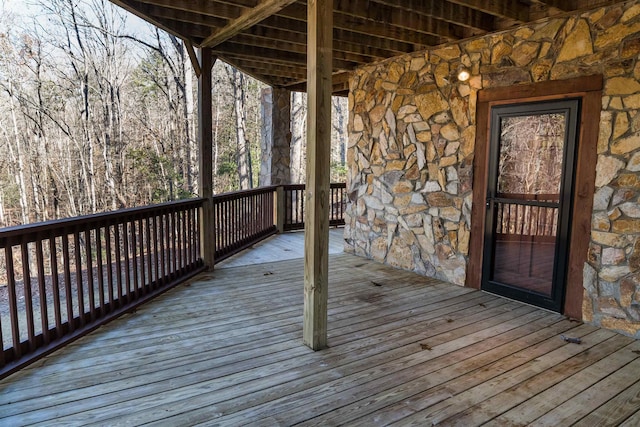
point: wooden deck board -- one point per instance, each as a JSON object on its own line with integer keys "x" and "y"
{"x": 226, "y": 349}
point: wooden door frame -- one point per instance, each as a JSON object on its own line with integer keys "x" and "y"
{"x": 589, "y": 89}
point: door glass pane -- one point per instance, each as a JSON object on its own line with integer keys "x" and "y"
{"x": 529, "y": 171}
{"x": 531, "y": 153}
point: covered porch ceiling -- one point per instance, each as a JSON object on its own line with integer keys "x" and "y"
{"x": 267, "y": 38}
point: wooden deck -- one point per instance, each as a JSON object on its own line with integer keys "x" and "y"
{"x": 225, "y": 349}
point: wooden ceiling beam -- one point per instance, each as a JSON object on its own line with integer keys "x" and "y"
{"x": 510, "y": 9}
{"x": 261, "y": 78}
{"x": 249, "y": 18}
{"x": 343, "y": 35}
{"x": 563, "y": 5}
{"x": 276, "y": 35}
{"x": 259, "y": 67}
{"x": 340, "y": 85}
{"x": 133, "y": 7}
{"x": 204, "y": 7}
{"x": 270, "y": 55}
{"x": 195, "y": 32}
{"x": 164, "y": 13}
{"x": 450, "y": 12}
{"x": 370, "y": 27}
{"x": 379, "y": 13}
{"x": 249, "y": 40}
{"x": 395, "y": 46}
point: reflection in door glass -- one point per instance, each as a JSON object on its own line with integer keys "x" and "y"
{"x": 531, "y": 152}
{"x": 529, "y": 171}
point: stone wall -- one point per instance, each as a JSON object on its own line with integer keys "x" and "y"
{"x": 411, "y": 146}
{"x": 275, "y": 109}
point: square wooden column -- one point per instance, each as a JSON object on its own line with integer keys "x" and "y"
{"x": 205, "y": 144}
{"x": 316, "y": 234}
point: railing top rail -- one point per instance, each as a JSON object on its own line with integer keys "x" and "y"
{"x": 241, "y": 193}
{"x": 293, "y": 187}
{"x": 302, "y": 186}
{"x": 529, "y": 196}
{"x": 87, "y": 220}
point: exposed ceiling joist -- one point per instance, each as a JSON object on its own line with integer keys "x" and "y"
{"x": 510, "y": 9}
{"x": 249, "y": 18}
{"x": 267, "y": 38}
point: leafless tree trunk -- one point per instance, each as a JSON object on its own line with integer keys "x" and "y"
{"x": 340, "y": 131}
{"x": 298, "y": 137}
{"x": 244, "y": 156}
{"x": 18, "y": 160}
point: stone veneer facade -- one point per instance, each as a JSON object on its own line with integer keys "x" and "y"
{"x": 412, "y": 134}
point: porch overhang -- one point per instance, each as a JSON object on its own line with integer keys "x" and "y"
{"x": 316, "y": 46}
{"x": 267, "y": 38}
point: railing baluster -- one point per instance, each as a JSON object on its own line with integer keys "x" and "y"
{"x": 89, "y": 261}
{"x": 149, "y": 281}
{"x": 28, "y": 297}
{"x": 13, "y": 302}
{"x": 225, "y": 229}
{"x": 172, "y": 239}
{"x": 108, "y": 249}
{"x": 42, "y": 290}
{"x": 100, "y": 267}
{"x": 67, "y": 281}
{"x": 156, "y": 252}
{"x": 2, "y": 358}
{"x": 127, "y": 259}
{"x": 184, "y": 241}
{"x": 134, "y": 257}
{"x": 79, "y": 279}
{"x": 163, "y": 248}
{"x": 143, "y": 280}
{"x": 119, "y": 263}
{"x": 55, "y": 284}
{"x": 193, "y": 240}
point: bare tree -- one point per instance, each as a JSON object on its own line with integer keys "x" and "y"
{"x": 298, "y": 136}
{"x": 243, "y": 153}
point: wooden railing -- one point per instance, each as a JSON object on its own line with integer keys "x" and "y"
{"x": 294, "y": 205}
{"x": 527, "y": 215}
{"x": 65, "y": 278}
{"x": 242, "y": 219}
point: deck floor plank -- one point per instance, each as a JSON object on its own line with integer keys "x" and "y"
{"x": 495, "y": 405}
{"x": 616, "y": 410}
{"x": 473, "y": 387}
{"x": 358, "y": 376}
{"x": 226, "y": 349}
{"x": 532, "y": 408}
{"x": 632, "y": 421}
{"x": 589, "y": 400}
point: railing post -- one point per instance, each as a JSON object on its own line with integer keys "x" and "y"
{"x": 281, "y": 206}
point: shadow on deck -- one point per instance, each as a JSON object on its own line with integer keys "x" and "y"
{"x": 226, "y": 348}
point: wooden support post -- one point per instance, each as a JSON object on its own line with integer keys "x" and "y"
{"x": 205, "y": 142}
{"x": 316, "y": 235}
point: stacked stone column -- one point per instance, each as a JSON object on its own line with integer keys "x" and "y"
{"x": 276, "y": 137}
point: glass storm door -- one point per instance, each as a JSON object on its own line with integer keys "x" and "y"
{"x": 531, "y": 162}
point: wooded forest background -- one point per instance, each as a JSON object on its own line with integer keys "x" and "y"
{"x": 98, "y": 112}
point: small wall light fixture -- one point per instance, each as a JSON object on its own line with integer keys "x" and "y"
{"x": 463, "y": 74}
